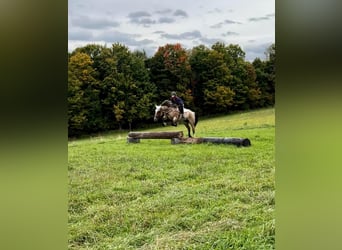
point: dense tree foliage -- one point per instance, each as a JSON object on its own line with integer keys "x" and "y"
{"x": 212, "y": 78}
{"x": 119, "y": 89}
{"x": 114, "y": 88}
{"x": 170, "y": 71}
{"x": 83, "y": 96}
{"x": 265, "y": 77}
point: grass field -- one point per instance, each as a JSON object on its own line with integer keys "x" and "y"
{"x": 155, "y": 195}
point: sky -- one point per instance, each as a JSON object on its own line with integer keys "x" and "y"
{"x": 149, "y": 24}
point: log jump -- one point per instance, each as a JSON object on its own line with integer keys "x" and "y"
{"x": 136, "y": 136}
{"x": 177, "y": 138}
{"x": 245, "y": 142}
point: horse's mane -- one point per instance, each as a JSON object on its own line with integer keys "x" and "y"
{"x": 167, "y": 103}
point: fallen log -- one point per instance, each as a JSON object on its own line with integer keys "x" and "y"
{"x": 156, "y": 135}
{"x": 216, "y": 140}
{"x": 177, "y": 138}
{"x": 134, "y": 137}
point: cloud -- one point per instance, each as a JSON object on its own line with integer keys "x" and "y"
{"x": 125, "y": 38}
{"x": 164, "y": 11}
{"x": 93, "y": 23}
{"x": 210, "y": 41}
{"x": 216, "y": 10}
{"x": 220, "y": 24}
{"x": 150, "y": 50}
{"x": 262, "y": 18}
{"x": 146, "y": 21}
{"x": 216, "y": 26}
{"x": 219, "y": 11}
{"x": 115, "y": 21}
{"x": 227, "y": 21}
{"x": 257, "y": 19}
{"x": 186, "y": 35}
{"x": 193, "y": 35}
{"x": 166, "y": 20}
{"x": 142, "y": 42}
{"x": 256, "y": 50}
{"x": 116, "y": 36}
{"x": 230, "y": 33}
{"x": 138, "y": 14}
{"x": 85, "y": 35}
{"x": 141, "y": 18}
{"x": 181, "y": 13}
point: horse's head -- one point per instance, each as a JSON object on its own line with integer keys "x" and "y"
{"x": 157, "y": 113}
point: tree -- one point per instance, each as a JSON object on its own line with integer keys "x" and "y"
{"x": 111, "y": 88}
{"x": 170, "y": 71}
{"x": 265, "y": 77}
{"x": 83, "y": 96}
{"x": 131, "y": 93}
{"x": 242, "y": 78}
{"x": 211, "y": 75}
{"x": 270, "y": 70}
{"x": 218, "y": 98}
{"x": 254, "y": 92}
{"x": 108, "y": 88}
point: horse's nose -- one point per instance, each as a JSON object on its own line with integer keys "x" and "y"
{"x": 155, "y": 119}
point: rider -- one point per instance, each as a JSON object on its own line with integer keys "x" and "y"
{"x": 179, "y": 102}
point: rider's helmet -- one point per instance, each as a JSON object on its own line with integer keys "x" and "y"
{"x": 173, "y": 93}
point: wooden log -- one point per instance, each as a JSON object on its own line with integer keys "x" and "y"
{"x": 155, "y": 135}
{"x": 236, "y": 141}
{"x": 133, "y": 140}
{"x": 216, "y": 140}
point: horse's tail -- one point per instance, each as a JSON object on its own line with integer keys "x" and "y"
{"x": 196, "y": 119}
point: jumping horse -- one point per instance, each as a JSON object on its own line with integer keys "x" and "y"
{"x": 167, "y": 111}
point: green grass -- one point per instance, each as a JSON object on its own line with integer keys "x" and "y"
{"x": 155, "y": 195}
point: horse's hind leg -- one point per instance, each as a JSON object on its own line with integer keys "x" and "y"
{"x": 188, "y": 127}
{"x": 193, "y": 128}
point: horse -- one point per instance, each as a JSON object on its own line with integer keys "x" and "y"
{"x": 167, "y": 111}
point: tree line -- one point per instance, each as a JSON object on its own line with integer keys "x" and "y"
{"x": 114, "y": 88}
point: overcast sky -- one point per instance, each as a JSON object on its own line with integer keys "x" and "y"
{"x": 148, "y": 24}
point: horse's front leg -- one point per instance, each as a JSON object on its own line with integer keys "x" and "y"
{"x": 174, "y": 121}
{"x": 164, "y": 120}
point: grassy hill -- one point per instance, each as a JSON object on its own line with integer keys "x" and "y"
{"x": 155, "y": 195}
